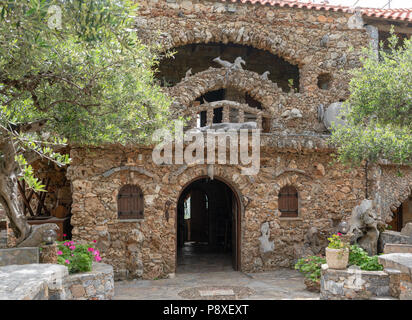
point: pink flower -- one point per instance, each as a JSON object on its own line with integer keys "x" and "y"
{"x": 67, "y": 261}
{"x": 64, "y": 234}
{"x": 66, "y": 244}
{"x": 90, "y": 249}
{"x": 72, "y": 255}
{"x": 72, "y": 247}
{"x": 96, "y": 252}
{"x": 339, "y": 234}
{"x": 97, "y": 258}
{"x": 59, "y": 253}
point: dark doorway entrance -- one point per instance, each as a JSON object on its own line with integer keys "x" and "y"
{"x": 207, "y": 227}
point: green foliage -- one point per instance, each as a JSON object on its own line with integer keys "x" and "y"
{"x": 311, "y": 267}
{"x": 77, "y": 257}
{"x": 359, "y": 257}
{"x": 379, "y": 109}
{"x": 85, "y": 78}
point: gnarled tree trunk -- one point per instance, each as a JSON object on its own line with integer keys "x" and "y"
{"x": 9, "y": 194}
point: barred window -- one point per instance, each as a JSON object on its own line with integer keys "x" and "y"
{"x": 288, "y": 202}
{"x": 130, "y": 202}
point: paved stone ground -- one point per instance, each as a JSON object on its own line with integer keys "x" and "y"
{"x": 275, "y": 285}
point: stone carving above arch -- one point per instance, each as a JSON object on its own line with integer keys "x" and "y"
{"x": 188, "y": 90}
{"x": 129, "y": 168}
{"x": 175, "y": 35}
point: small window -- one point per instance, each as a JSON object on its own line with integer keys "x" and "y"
{"x": 324, "y": 81}
{"x": 130, "y": 202}
{"x": 288, "y": 202}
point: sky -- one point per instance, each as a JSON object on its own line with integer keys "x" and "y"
{"x": 371, "y": 3}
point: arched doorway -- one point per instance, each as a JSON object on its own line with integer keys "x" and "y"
{"x": 402, "y": 215}
{"x": 208, "y": 227}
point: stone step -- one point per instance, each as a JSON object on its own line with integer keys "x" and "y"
{"x": 397, "y": 248}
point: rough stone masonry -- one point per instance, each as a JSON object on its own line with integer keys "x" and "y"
{"x": 318, "y": 48}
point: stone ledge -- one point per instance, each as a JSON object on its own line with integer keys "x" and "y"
{"x": 31, "y": 281}
{"x": 397, "y": 248}
{"x": 19, "y": 256}
{"x": 399, "y": 261}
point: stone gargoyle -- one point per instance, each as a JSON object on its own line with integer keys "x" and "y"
{"x": 35, "y": 239}
{"x": 363, "y": 227}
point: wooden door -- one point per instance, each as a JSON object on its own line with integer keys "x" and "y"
{"x": 235, "y": 234}
{"x": 396, "y": 223}
{"x": 199, "y": 221}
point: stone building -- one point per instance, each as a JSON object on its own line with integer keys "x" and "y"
{"x": 144, "y": 215}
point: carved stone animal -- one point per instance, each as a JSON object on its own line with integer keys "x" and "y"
{"x": 265, "y": 244}
{"x": 35, "y": 238}
{"x": 364, "y": 227}
{"x": 188, "y": 74}
{"x": 224, "y": 126}
{"x": 264, "y": 75}
{"x": 226, "y": 64}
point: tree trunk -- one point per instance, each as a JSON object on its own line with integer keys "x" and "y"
{"x": 12, "y": 206}
{"x": 9, "y": 194}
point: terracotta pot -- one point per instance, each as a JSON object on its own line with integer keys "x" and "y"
{"x": 337, "y": 258}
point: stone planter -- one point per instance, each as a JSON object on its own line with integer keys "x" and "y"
{"x": 97, "y": 284}
{"x": 337, "y": 258}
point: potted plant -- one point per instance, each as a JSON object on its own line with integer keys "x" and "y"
{"x": 337, "y": 252}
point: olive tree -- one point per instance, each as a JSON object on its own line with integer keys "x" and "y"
{"x": 379, "y": 110}
{"x": 71, "y": 71}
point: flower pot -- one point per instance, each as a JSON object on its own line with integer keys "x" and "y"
{"x": 337, "y": 258}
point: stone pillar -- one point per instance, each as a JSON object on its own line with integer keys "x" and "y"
{"x": 209, "y": 117}
{"x": 48, "y": 253}
{"x": 241, "y": 116}
{"x": 226, "y": 111}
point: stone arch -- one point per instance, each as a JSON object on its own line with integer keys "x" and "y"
{"x": 194, "y": 173}
{"x": 404, "y": 195}
{"x": 262, "y": 39}
{"x": 225, "y": 179}
{"x": 188, "y": 90}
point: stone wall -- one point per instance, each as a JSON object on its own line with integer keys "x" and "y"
{"x": 19, "y": 256}
{"x": 390, "y": 186}
{"x": 353, "y": 284}
{"x": 147, "y": 247}
{"x": 97, "y": 284}
{"x": 53, "y": 282}
{"x": 322, "y": 44}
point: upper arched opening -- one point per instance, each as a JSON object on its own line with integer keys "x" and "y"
{"x": 199, "y": 57}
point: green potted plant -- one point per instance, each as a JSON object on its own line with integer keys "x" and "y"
{"x": 337, "y": 252}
